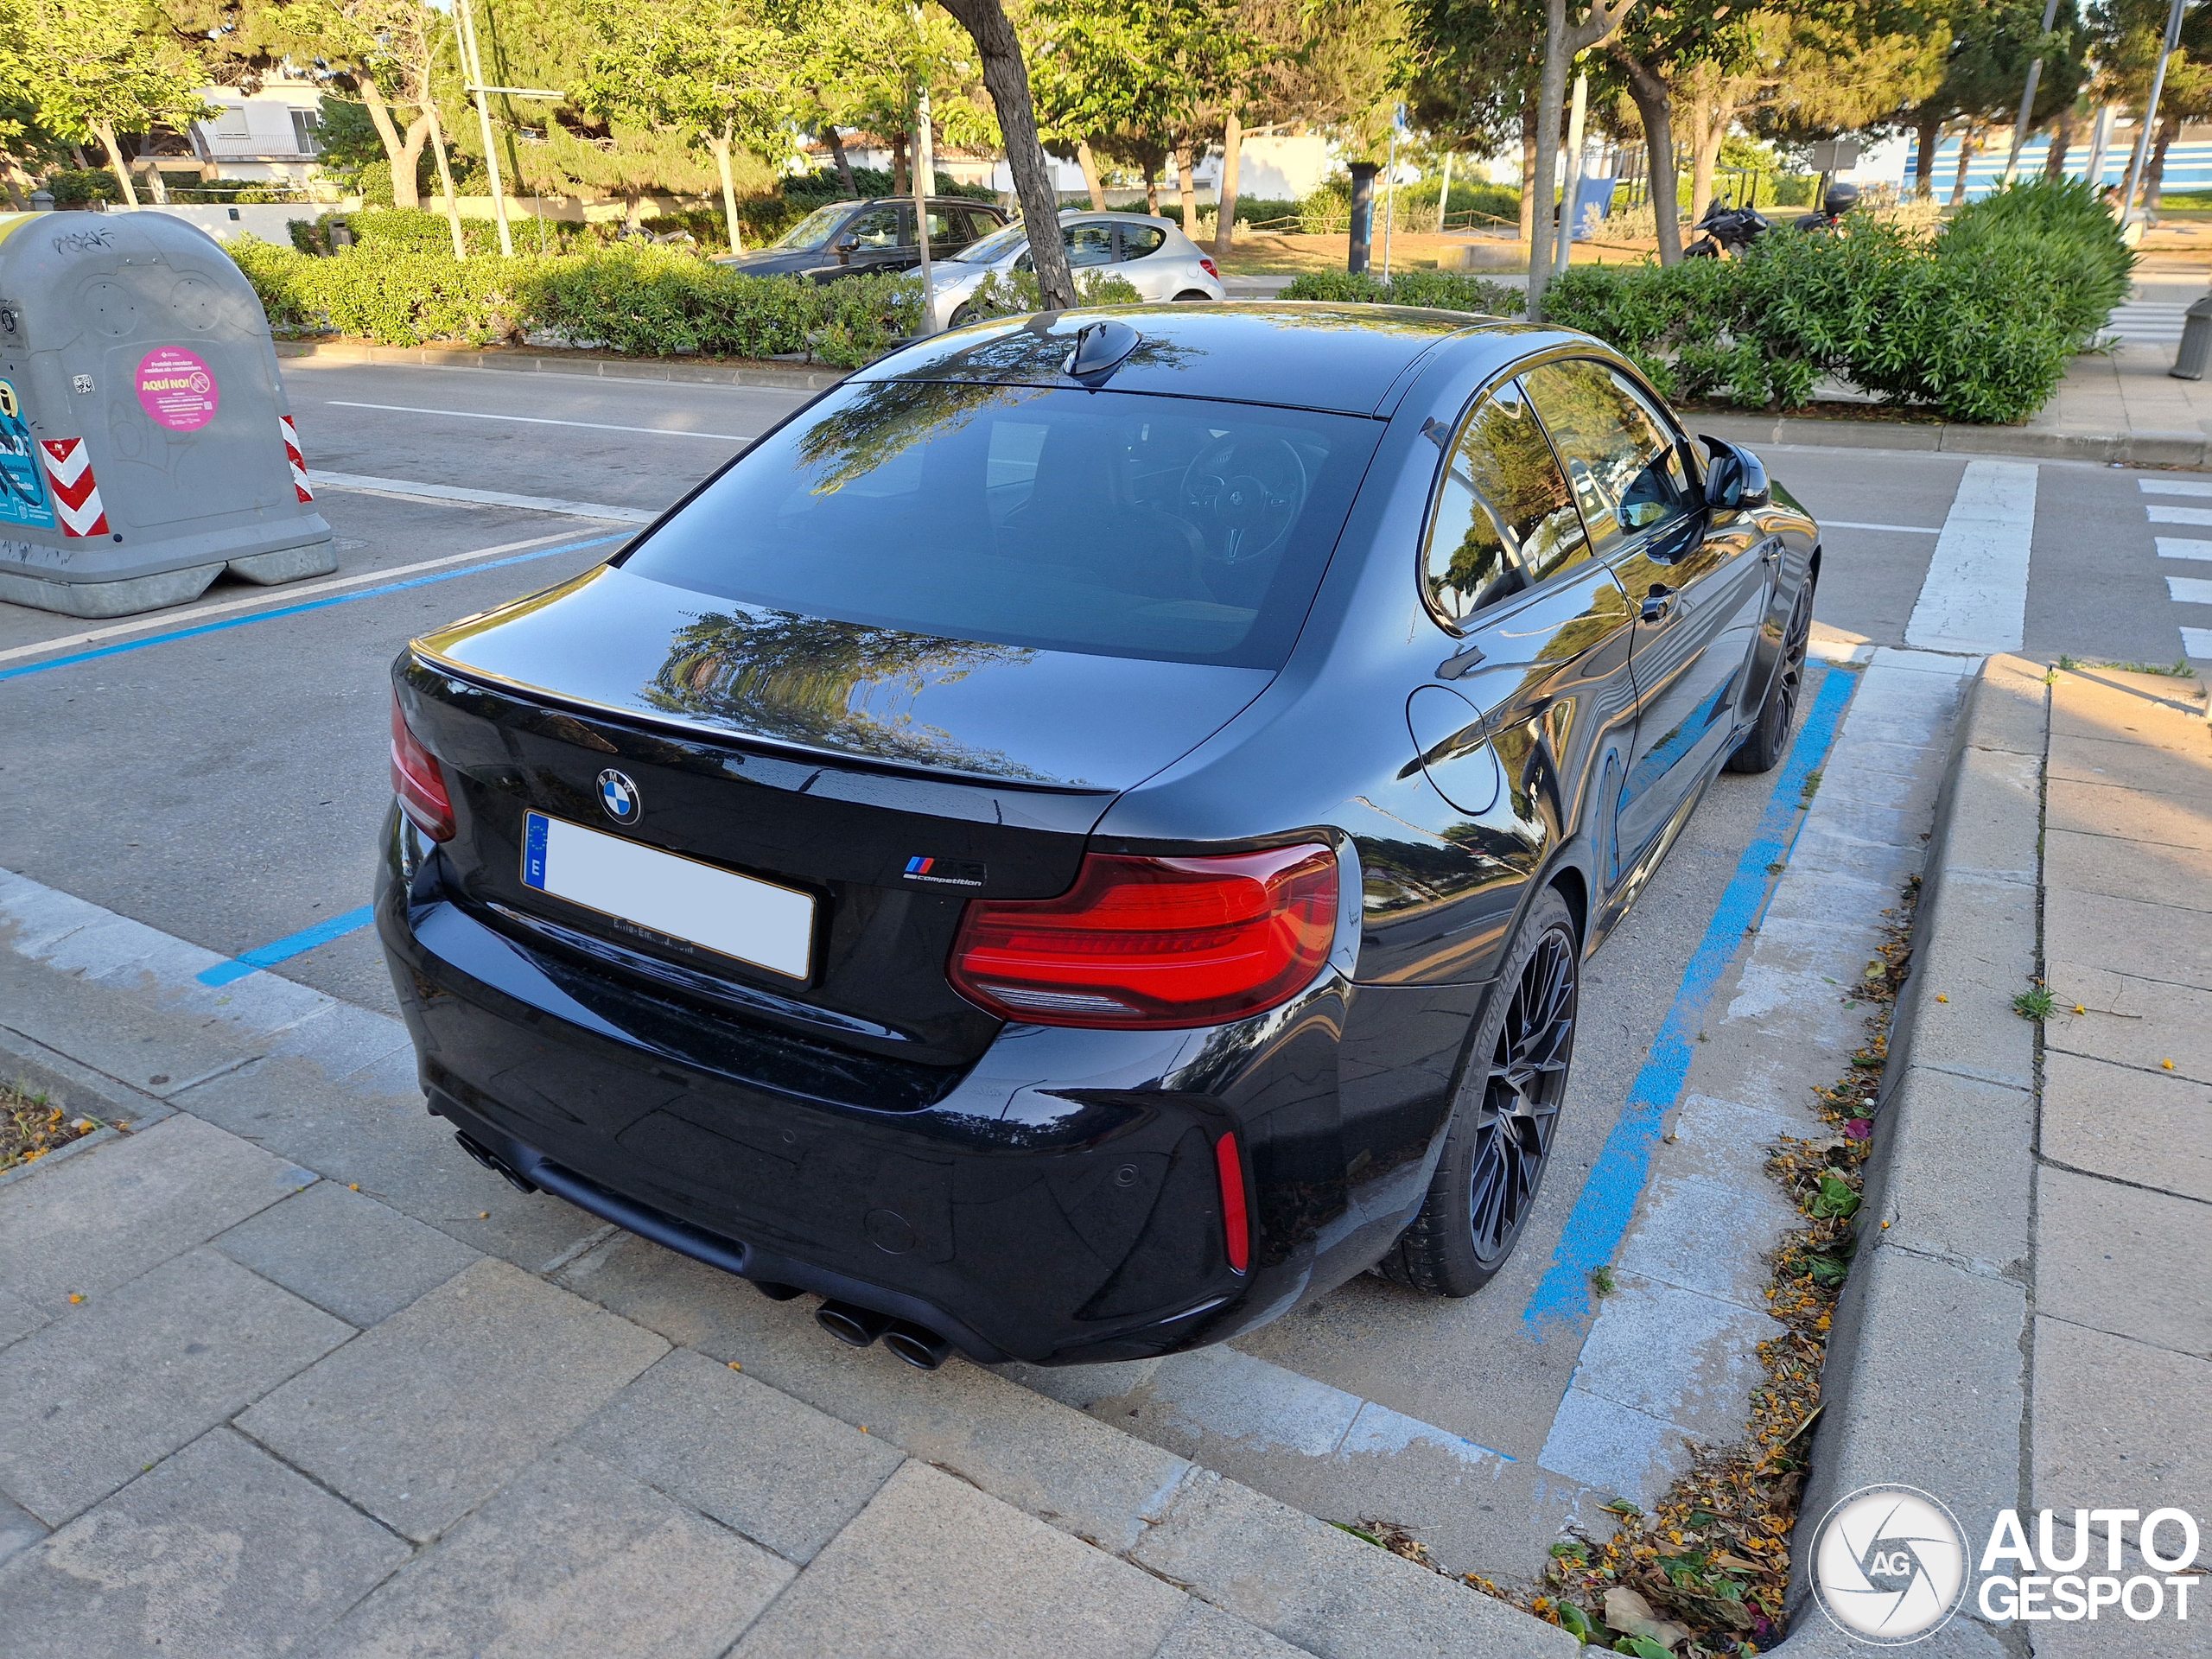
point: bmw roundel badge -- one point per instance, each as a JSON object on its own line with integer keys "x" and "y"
{"x": 619, "y": 797}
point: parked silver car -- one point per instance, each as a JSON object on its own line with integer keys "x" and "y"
{"x": 1151, "y": 254}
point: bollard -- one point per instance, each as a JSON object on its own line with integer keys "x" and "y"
{"x": 2196, "y": 353}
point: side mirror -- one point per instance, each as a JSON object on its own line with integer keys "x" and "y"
{"x": 1734, "y": 478}
{"x": 843, "y": 247}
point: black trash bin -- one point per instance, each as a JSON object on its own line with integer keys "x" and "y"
{"x": 2196, "y": 353}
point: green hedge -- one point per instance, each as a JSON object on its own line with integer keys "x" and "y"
{"x": 646, "y": 302}
{"x": 1977, "y": 322}
{"x": 1443, "y": 291}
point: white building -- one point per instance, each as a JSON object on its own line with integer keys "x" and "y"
{"x": 269, "y": 134}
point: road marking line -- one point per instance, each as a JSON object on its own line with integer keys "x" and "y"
{"x": 1902, "y": 530}
{"x": 2180, "y": 547}
{"x": 2197, "y": 642}
{"x": 2171, "y": 486}
{"x": 542, "y": 420}
{"x": 408, "y": 490}
{"x": 292, "y": 944}
{"x": 2164, "y": 515}
{"x": 295, "y": 610}
{"x": 1975, "y": 597}
{"x": 2189, "y": 590}
{"x": 1602, "y": 1211}
{"x": 268, "y": 597}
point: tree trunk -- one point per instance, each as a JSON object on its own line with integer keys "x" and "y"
{"x": 1528, "y": 170}
{"x": 407, "y": 165}
{"x": 445, "y": 175}
{"x": 2154, "y": 173}
{"x": 159, "y": 185}
{"x": 719, "y": 143}
{"x": 1186, "y": 187}
{"x": 1089, "y": 163}
{"x": 1152, "y": 189}
{"x": 2061, "y": 140}
{"x": 1551, "y": 94}
{"x": 19, "y": 183}
{"x": 1709, "y": 119}
{"x": 837, "y": 155}
{"x": 105, "y": 131}
{"x": 1966, "y": 157}
{"x": 1929, "y": 129}
{"x": 1007, "y": 79}
{"x": 400, "y": 155}
{"x": 900, "y": 185}
{"x": 1655, "y": 104}
{"x": 1224, "y": 210}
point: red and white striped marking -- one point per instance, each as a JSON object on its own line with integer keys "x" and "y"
{"x": 76, "y": 496}
{"x": 292, "y": 453}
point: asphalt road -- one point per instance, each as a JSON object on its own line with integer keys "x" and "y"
{"x": 226, "y": 787}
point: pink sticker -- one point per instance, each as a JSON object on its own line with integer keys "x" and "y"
{"x": 177, "y": 389}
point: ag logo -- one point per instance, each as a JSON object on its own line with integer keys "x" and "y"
{"x": 619, "y": 797}
{"x": 1888, "y": 1564}
{"x": 9, "y": 406}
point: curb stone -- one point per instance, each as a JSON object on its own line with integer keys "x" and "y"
{"x": 549, "y": 362}
{"x": 1926, "y": 1380}
{"x": 2191, "y": 450}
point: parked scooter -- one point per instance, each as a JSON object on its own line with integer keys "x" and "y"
{"x": 1840, "y": 201}
{"x": 1726, "y": 229}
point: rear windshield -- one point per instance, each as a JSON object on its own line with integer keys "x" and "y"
{"x": 1118, "y": 525}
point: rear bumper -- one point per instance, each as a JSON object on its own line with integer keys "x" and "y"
{"x": 1060, "y": 1205}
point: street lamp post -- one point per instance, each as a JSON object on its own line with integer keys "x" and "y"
{"x": 2143, "y": 139}
{"x": 2028, "y": 100}
{"x": 1576, "y": 112}
{"x": 473, "y": 67}
{"x": 924, "y": 180}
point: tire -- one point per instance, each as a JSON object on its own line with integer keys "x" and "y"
{"x": 1506, "y": 1117}
{"x": 963, "y": 314}
{"x": 1192, "y": 294}
{"x": 1770, "y": 736}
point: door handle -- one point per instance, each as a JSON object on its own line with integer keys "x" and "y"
{"x": 1658, "y": 602}
{"x": 1771, "y": 553}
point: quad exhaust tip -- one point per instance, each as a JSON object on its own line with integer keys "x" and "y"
{"x": 919, "y": 1347}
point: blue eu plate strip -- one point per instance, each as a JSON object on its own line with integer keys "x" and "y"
{"x": 533, "y": 850}
{"x": 293, "y": 945}
{"x": 1560, "y": 1301}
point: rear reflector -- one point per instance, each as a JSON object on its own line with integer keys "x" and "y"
{"x": 1151, "y": 944}
{"x": 417, "y": 781}
{"x": 1236, "y": 1224}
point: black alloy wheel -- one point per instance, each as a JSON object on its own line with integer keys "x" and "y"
{"x": 1769, "y": 737}
{"x": 1500, "y": 1141}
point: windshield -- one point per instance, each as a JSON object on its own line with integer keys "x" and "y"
{"x": 815, "y": 229}
{"x": 999, "y": 243}
{"x": 1118, "y": 525}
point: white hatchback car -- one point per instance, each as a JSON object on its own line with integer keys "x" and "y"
{"x": 1152, "y": 255}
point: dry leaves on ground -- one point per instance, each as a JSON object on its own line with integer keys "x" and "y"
{"x": 31, "y": 1125}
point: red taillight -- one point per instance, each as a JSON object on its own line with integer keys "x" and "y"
{"x": 1154, "y": 943}
{"x": 1236, "y": 1224}
{"x": 417, "y": 781}
{"x": 1210, "y": 271}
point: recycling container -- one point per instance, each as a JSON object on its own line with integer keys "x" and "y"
{"x": 145, "y": 442}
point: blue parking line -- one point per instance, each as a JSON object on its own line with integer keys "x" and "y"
{"x": 298, "y": 610}
{"x": 1594, "y": 1230}
{"x": 292, "y": 944}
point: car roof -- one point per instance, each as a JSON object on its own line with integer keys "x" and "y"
{"x": 1295, "y": 354}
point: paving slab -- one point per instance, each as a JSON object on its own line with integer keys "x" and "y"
{"x": 2179, "y": 876}
{"x": 1319, "y": 1588}
{"x": 19, "y": 1528}
{"x": 1036, "y": 1454}
{"x": 2118, "y": 1422}
{"x": 221, "y": 1552}
{"x": 933, "y": 1566}
{"x": 2119, "y": 1259}
{"x": 93, "y": 1223}
{"x": 418, "y": 1419}
{"x": 2127, "y": 814}
{"x": 572, "y": 1557}
{"x": 2130, "y": 1018}
{"x": 18, "y": 1317}
{"x": 1956, "y": 1184}
{"x": 116, "y": 1385}
{"x": 1206, "y": 1632}
{"x": 372, "y": 1130}
{"x": 2127, "y": 936}
{"x": 128, "y": 1036}
{"x": 2152, "y": 1128}
{"x": 2182, "y": 773}
{"x": 786, "y": 1476}
{"x": 344, "y": 1252}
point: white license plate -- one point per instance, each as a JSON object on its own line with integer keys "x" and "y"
{"x": 670, "y": 897}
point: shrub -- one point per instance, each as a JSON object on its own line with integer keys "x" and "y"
{"x": 1442, "y": 291}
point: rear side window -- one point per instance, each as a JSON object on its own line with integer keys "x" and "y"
{"x": 876, "y": 228}
{"x": 1626, "y": 468}
{"x": 1138, "y": 240}
{"x": 1090, "y": 245}
{"x": 1504, "y": 516}
{"x": 1117, "y": 523}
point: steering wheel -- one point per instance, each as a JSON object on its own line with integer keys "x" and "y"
{"x": 1245, "y": 493}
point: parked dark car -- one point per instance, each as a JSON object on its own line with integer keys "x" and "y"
{"x": 848, "y": 237}
{"x": 1085, "y": 836}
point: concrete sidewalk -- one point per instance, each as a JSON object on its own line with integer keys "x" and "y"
{"x": 291, "y": 1375}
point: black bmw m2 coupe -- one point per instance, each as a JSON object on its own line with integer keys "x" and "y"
{"x": 1085, "y": 836}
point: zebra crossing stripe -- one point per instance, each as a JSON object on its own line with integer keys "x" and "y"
{"x": 76, "y": 493}
{"x": 291, "y": 437}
